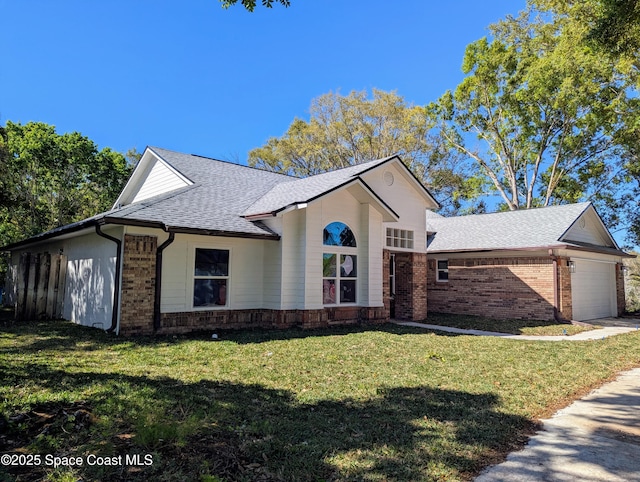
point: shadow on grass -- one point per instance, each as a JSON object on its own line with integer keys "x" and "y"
{"x": 249, "y": 432}
{"x": 64, "y": 335}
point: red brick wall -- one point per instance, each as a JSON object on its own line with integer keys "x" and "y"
{"x": 138, "y": 285}
{"x": 519, "y": 288}
{"x": 411, "y": 286}
{"x": 620, "y": 297}
{"x": 564, "y": 284}
{"x": 173, "y": 323}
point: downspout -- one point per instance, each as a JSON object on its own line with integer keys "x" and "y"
{"x": 157, "y": 294}
{"x": 556, "y": 293}
{"x": 116, "y": 287}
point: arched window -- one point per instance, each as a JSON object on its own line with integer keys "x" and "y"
{"x": 339, "y": 265}
{"x": 338, "y": 234}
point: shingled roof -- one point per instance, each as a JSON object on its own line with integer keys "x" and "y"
{"x": 220, "y": 199}
{"x": 524, "y": 229}
{"x": 308, "y": 188}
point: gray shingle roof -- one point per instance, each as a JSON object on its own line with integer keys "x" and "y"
{"x": 221, "y": 192}
{"x": 308, "y": 188}
{"x": 528, "y": 228}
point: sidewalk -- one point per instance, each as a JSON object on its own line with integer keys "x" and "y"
{"x": 599, "y": 334}
{"x": 595, "y": 439}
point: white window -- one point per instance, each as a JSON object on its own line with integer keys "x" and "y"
{"x": 399, "y": 238}
{"x": 442, "y": 270}
{"x": 210, "y": 277}
{"x": 339, "y": 265}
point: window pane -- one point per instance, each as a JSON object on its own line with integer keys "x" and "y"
{"x": 443, "y": 275}
{"x": 210, "y": 292}
{"x": 348, "y": 291}
{"x": 328, "y": 291}
{"x": 443, "y": 264}
{"x": 328, "y": 265}
{"x": 212, "y": 262}
{"x": 348, "y": 265}
{"x": 338, "y": 234}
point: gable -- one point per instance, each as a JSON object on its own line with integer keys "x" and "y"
{"x": 151, "y": 177}
{"x": 397, "y": 187}
{"x": 589, "y": 229}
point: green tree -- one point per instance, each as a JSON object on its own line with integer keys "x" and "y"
{"x": 51, "y": 179}
{"x": 250, "y": 5}
{"x": 543, "y": 120}
{"x": 347, "y": 130}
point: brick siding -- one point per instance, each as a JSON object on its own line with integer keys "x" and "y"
{"x": 411, "y": 286}
{"x": 620, "y": 296}
{"x": 184, "y": 322}
{"x": 138, "y": 284}
{"x": 520, "y": 288}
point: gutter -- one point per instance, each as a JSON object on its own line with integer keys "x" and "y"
{"x": 158, "y": 287}
{"x": 116, "y": 287}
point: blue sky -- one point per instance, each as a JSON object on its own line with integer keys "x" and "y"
{"x": 192, "y": 77}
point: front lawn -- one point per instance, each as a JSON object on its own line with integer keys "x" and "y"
{"x": 514, "y": 327}
{"x": 391, "y": 403}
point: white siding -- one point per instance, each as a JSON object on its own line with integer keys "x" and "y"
{"x": 159, "y": 180}
{"x": 588, "y": 229}
{"x": 245, "y": 289}
{"x": 372, "y": 228}
{"x": 293, "y": 259}
{"x": 313, "y": 266}
{"x": 404, "y": 199}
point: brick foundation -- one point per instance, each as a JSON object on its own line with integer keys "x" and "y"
{"x": 520, "y": 288}
{"x": 185, "y": 322}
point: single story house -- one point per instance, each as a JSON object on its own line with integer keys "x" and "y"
{"x": 555, "y": 262}
{"x": 194, "y": 243}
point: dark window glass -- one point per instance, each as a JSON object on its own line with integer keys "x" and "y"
{"x": 210, "y": 292}
{"x": 212, "y": 262}
{"x": 347, "y": 291}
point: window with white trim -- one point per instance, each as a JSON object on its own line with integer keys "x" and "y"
{"x": 210, "y": 277}
{"x": 399, "y": 238}
{"x": 442, "y": 270}
{"x": 339, "y": 265}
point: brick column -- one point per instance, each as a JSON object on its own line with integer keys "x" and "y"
{"x": 411, "y": 286}
{"x": 620, "y": 295}
{"x": 138, "y": 284}
{"x": 564, "y": 285}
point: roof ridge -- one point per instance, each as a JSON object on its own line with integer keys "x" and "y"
{"x": 538, "y": 208}
{"x": 154, "y": 148}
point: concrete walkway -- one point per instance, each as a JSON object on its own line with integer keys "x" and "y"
{"x": 598, "y": 334}
{"x": 595, "y": 439}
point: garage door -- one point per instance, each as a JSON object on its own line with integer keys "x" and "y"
{"x": 593, "y": 290}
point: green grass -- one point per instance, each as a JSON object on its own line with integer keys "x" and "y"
{"x": 390, "y": 403}
{"x": 514, "y": 327}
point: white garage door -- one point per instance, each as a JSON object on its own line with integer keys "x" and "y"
{"x": 593, "y": 290}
